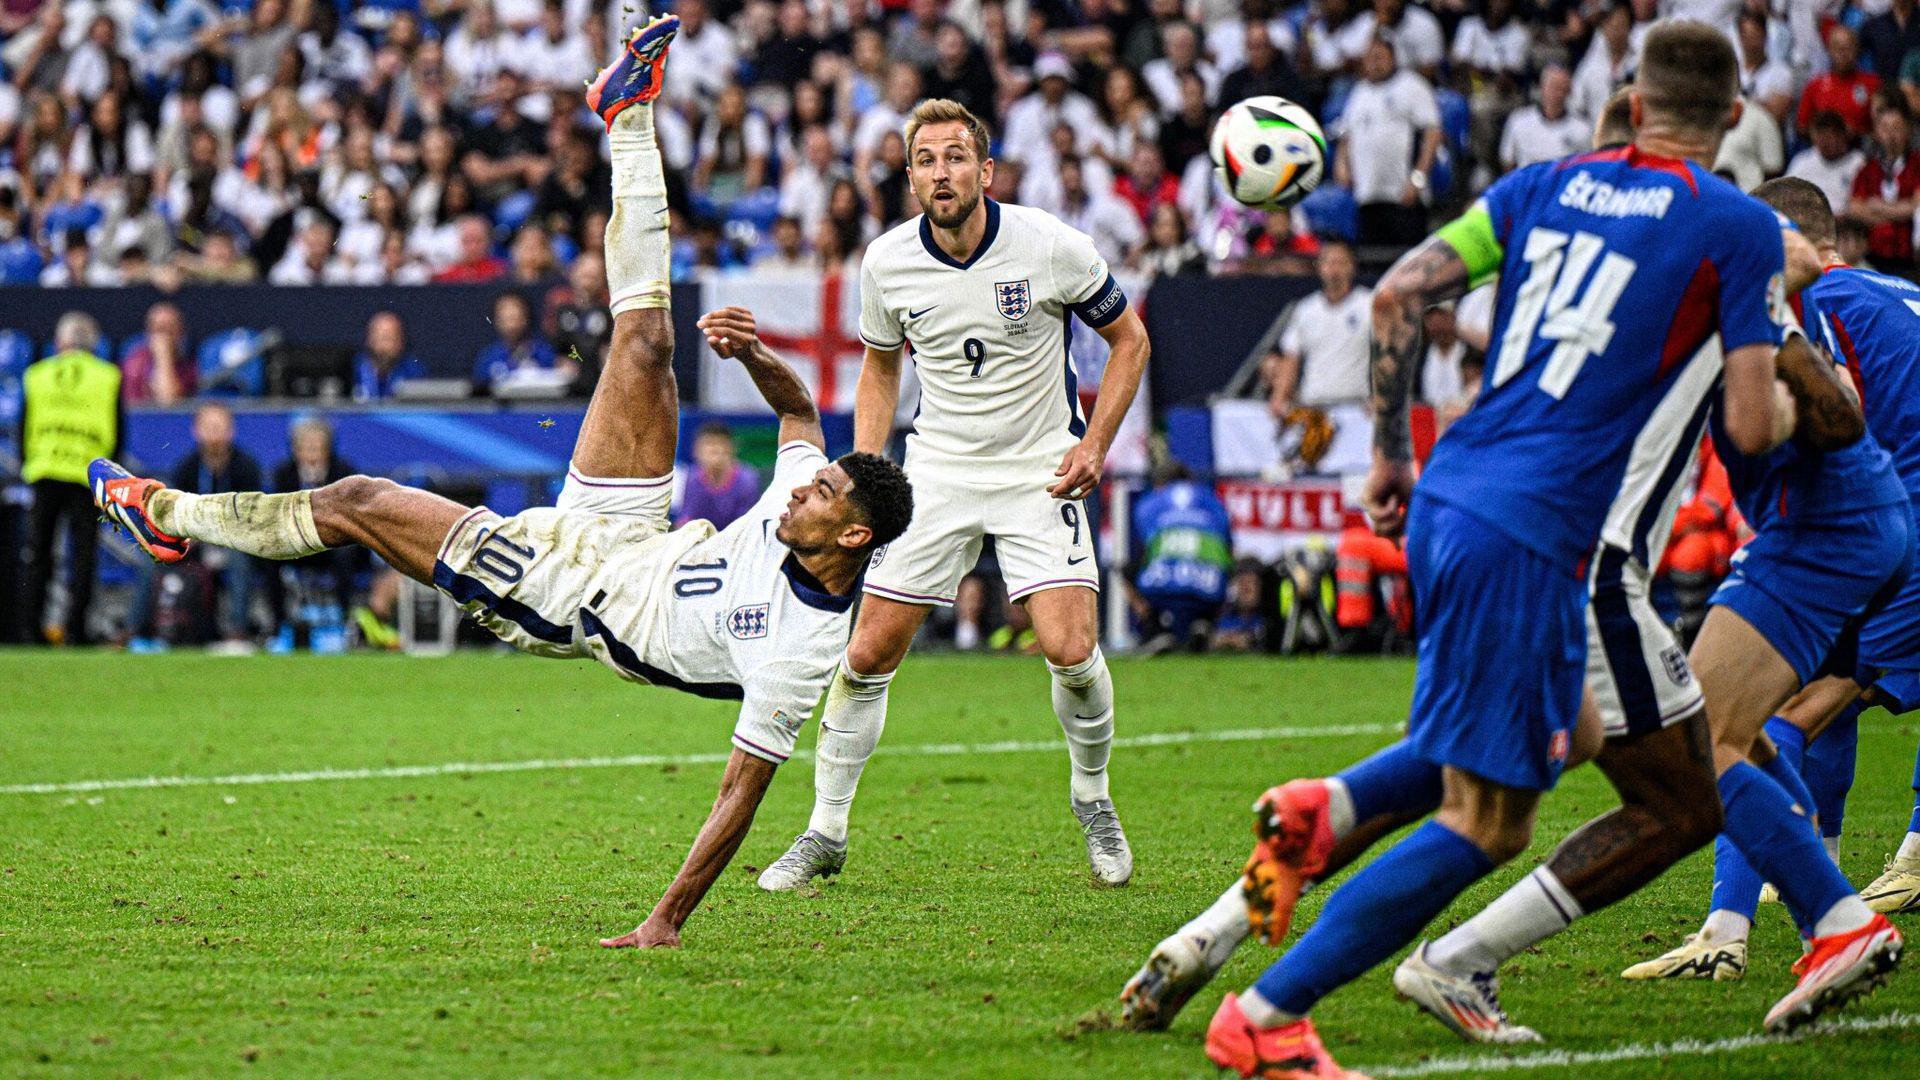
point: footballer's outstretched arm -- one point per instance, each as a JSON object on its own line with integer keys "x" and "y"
{"x": 742, "y": 787}
{"x": 1436, "y": 271}
{"x": 1127, "y": 351}
{"x": 875, "y": 399}
{"x": 732, "y": 333}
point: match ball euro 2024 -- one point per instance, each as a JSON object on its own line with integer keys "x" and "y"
{"x": 1269, "y": 152}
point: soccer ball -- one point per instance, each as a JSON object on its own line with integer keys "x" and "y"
{"x": 1269, "y": 152}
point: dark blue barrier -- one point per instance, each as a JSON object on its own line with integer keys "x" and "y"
{"x": 448, "y": 325}
{"x": 1202, "y": 329}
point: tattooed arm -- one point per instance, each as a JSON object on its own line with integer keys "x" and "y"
{"x": 1430, "y": 274}
{"x": 1827, "y": 411}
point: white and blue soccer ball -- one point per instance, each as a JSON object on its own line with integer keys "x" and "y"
{"x": 1269, "y": 152}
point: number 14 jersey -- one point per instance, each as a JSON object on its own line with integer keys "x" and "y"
{"x": 1622, "y": 277}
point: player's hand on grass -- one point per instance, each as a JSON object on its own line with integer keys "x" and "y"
{"x": 1389, "y": 487}
{"x": 1079, "y": 471}
{"x": 652, "y": 934}
{"x": 730, "y": 331}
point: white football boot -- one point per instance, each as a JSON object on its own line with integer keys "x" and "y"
{"x": 1469, "y": 1007}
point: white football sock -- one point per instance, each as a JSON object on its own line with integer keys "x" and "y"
{"x": 1909, "y": 848}
{"x": 1083, "y": 700}
{"x": 1339, "y": 807}
{"x": 1850, "y": 913}
{"x": 850, "y": 726}
{"x": 1535, "y": 909}
{"x": 638, "y": 252}
{"x": 1723, "y": 926}
{"x": 251, "y": 522}
{"x": 1832, "y": 844}
{"x": 1262, "y": 1012}
{"x": 1223, "y": 926}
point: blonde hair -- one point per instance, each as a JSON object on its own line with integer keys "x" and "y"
{"x": 945, "y": 111}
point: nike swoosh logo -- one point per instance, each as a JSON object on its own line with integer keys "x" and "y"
{"x": 1078, "y": 561}
{"x": 922, "y": 311}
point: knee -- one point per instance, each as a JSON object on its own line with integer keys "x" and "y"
{"x": 350, "y": 493}
{"x": 874, "y": 654}
{"x": 1077, "y": 649}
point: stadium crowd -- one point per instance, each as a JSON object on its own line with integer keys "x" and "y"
{"x": 411, "y": 141}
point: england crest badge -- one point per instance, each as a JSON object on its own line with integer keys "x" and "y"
{"x": 1013, "y": 298}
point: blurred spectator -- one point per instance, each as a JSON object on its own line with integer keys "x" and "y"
{"x": 1764, "y": 79}
{"x": 70, "y": 415}
{"x": 159, "y": 367}
{"x": 1885, "y": 189}
{"x": 786, "y": 57}
{"x": 1266, "y": 70}
{"x": 1146, "y": 183}
{"x": 476, "y": 51}
{"x": 1389, "y": 136}
{"x": 311, "y": 463}
{"x": 1321, "y": 356}
{"x": 384, "y": 361}
{"x": 1181, "y": 562}
{"x": 1843, "y": 87}
{"x": 1441, "y": 372}
{"x": 550, "y": 55}
{"x": 789, "y": 256}
{"x": 804, "y": 187}
{"x": 579, "y": 182}
{"x": 111, "y": 146}
{"x": 1752, "y": 149}
{"x": 1170, "y": 250}
{"x": 397, "y": 265}
{"x": 888, "y": 193}
{"x": 1491, "y": 44}
{"x": 77, "y": 267}
{"x": 960, "y": 72}
{"x": 505, "y": 151}
{"x": 1410, "y": 31}
{"x": 704, "y": 56}
{"x": 519, "y": 352}
{"x": 1183, "y": 135}
{"x": 1113, "y": 225}
{"x": 1473, "y": 369}
{"x": 1544, "y": 131}
{"x": 339, "y": 58}
{"x": 1888, "y": 37}
{"x": 214, "y": 466}
{"x": 311, "y": 261}
{"x": 217, "y": 262}
{"x": 255, "y": 52}
{"x": 577, "y": 317}
{"x": 134, "y": 222}
{"x": 912, "y": 39}
{"x": 1242, "y": 626}
{"x": 1127, "y": 115}
{"x": 360, "y": 241}
{"x": 735, "y": 146}
{"x": 1031, "y": 120}
{"x": 903, "y": 92}
{"x": 718, "y": 489}
{"x": 1372, "y": 601}
{"x": 475, "y": 264}
{"x": 1276, "y": 247}
{"x": 1179, "y": 57}
{"x": 1608, "y": 62}
{"x": 1831, "y": 162}
{"x": 532, "y": 263}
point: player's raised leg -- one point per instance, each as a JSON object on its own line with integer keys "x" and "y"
{"x": 1067, "y": 623}
{"x": 850, "y": 725}
{"x": 627, "y": 439}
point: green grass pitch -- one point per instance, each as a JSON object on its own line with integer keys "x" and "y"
{"x": 444, "y": 925}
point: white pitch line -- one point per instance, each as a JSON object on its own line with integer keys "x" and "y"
{"x": 401, "y": 772}
{"x": 1565, "y": 1059}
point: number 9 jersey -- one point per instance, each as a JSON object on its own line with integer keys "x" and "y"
{"x": 989, "y": 337}
{"x": 1617, "y": 272}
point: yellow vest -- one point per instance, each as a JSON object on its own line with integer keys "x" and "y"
{"x": 73, "y": 416}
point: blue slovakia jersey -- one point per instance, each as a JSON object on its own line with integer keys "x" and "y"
{"x": 1617, "y": 272}
{"x": 1871, "y": 323}
{"x": 1186, "y": 550}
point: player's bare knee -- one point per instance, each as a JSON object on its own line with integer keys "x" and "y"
{"x": 1072, "y": 651}
{"x": 644, "y": 340}
{"x": 348, "y": 496}
{"x": 875, "y": 654}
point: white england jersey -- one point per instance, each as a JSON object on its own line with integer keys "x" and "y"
{"x": 989, "y": 336}
{"x": 728, "y": 614}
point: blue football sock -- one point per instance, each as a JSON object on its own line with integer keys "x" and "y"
{"x": 1829, "y": 767}
{"x": 1736, "y": 887}
{"x": 1375, "y": 914}
{"x": 1394, "y": 781}
{"x": 1781, "y": 844}
{"x": 1785, "y": 766}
